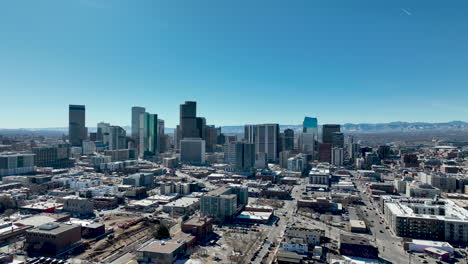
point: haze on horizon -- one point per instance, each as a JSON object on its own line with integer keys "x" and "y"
{"x": 243, "y": 61}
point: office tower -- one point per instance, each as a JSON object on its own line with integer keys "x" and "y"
{"x": 325, "y": 152}
{"x": 229, "y": 150}
{"x": 192, "y": 150}
{"x": 201, "y": 127}
{"x": 266, "y": 140}
{"x": 250, "y": 133}
{"x": 383, "y": 152}
{"x": 337, "y": 158}
{"x": 288, "y": 139}
{"x": 16, "y": 163}
{"x": 151, "y": 132}
{"x": 89, "y": 147}
{"x": 53, "y": 156}
{"x": 136, "y": 112}
{"x": 117, "y": 138}
{"x": 310, "y": 125}
{"x": 353, "y": 151}
{"x": 188, "y": 120}
{"x": 162, "y": 146}
{"x": 309, "y": 136}
{"x": 327, "y": 132}
{"x": 148, "y": 144}
{"x": 337, "y": 140}
{"x": 177, "y": 137}
{"x": 93, "y": 136}
{"x": 308, "y": 141}
{"x": 261, "y": 160}
{"x": 210, "y": 138}
{"x": 244, "y": 155}
{"x": 283, "y": 158}
{"x": 77, "y": 131}
{"x": 103, "y": 130}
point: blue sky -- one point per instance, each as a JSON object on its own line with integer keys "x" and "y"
{"x": 242, "y": 61}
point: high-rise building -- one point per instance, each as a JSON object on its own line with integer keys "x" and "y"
{"x": 297, "y": 163}
{"x": 244, "y": 155}
{"x": 325, "y": 152}
{"x": 250, "y": 133}
{"x": 136, "y": 113}
{"x": 266, "y": 141}
{"x": 149, "y": 135}
{"x": 16, "y": 163}
{"x": 188, "y": 120}
{"x": 162, "y": 146}
{"x": 77, "y": 131}
{"x": 229, "y": 150}
{"x": 308, "y": 141}
{"x": 117, "y": 138}
{"x": 224, "y": 202}
{"x": 177, "y": 137}
{"x": 283, "y": 158}
{"x": 210, "y": 138}
{"x": 192, "y": 150}
{"x": 152, "y": 132}
{"x": 53, "y": 156}
{"x": 327, "y": 132}
{"x": 201, "y": 127}
{"x": 103, "y": 130}
{"x": 337, "y": 158}
{"x": 310, "y": 125}
{"x": 309, "y": 136}
{"x": 383, "y": 152}
{"x": 288, "y": 139}
{"x": 338, "y": 140}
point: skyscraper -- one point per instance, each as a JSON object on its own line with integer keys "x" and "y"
{"x": 337, "y": 156}
{"x": 152, "y": 134}
{"x": 310, "y": 125}
{"x": 77, "y": 131}
{"x": 327, "y": 132}
{"x": 103, "y": 132}
{"x": 148, "y": 134}
{"x": 245, "y": 155}
{"x": 136, "y": 112}
{"x": 117, "y": 138}
{"x": 192, "y": 150}
{"x": 210, "y": 138}
{"x": 325, "y": 152}
{"x": 249, "y": 133}
{"x": 188, "y": 120}
{"x": 338, "y": 140}
{"x": 288, "y": 139}
{"x": 266, "y": 140}
{"x": 161, "y": 137}
{"x": 309, "y": 136}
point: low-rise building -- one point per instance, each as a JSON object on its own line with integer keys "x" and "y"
{"x": 200, "y": 227}
{"x": 52, "y": 238}
{"x": 182, "y": 206}
{"x": 78, "y": 206}
{"x": 358, "y": 246}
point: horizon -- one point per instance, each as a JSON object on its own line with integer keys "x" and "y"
{"x": 243, "y": 62}
{"x": 241, "y": 125}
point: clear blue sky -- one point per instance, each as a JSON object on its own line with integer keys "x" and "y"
{"x": 243, "y": 61}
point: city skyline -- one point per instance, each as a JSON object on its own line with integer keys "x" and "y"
{"x": 259, "y": 62}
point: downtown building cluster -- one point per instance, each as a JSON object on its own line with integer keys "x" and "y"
{"x": 293, "y": 187}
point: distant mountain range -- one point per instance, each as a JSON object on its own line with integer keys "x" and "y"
{"x": 349, "y": 128}
{"x": 377, "y": 128}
